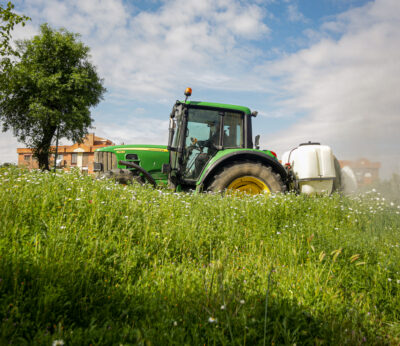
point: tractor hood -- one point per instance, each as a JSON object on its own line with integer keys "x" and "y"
{"x": 149, "y": 156}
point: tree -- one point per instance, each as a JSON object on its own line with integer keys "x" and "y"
{"x": 8, "y": 19}
{"x": 49, "y": 91}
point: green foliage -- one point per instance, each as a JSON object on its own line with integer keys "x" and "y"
{"x": 8, "y": 20}
{"x": 49, "y": 91}
{"x": 90, "y": 262}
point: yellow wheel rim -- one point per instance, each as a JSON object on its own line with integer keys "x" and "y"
{"x": 249, "y": 185}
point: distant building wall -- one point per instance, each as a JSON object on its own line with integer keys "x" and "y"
{"x": 79, "y": 155}
{"x": 365, "y": 171}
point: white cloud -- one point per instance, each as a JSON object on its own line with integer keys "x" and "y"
{"x": 147, "y": 53}
{"x": 294, "y": 15}
{"x": 348, "y": 88}
{"x": 8, "y": 147}
{"x": 138, "y": 130}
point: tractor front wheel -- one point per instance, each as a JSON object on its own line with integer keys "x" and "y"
{"x": 247, "y": 177}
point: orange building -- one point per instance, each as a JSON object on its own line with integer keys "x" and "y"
{"x": 69, "y": 156}
{"x": 366, "y": 172}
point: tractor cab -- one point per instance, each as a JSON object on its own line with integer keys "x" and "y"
{"x": 198, "y": 130}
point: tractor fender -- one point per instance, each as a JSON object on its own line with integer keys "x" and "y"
{"x": 227, "y": 156}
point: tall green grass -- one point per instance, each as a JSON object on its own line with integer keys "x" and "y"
{"x": 90, "y": 262}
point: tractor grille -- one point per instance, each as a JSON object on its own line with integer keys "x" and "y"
{"x": 107, "y": 160}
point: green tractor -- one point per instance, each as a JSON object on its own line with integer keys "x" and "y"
{"x": 210, "y": 148}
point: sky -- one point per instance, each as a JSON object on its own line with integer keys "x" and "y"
{"x": 315, "y": 70}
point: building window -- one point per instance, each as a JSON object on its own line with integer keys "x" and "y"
{"x": 74, "y": 158}
{"x": 85, "y": 159}
{"x": 27, "y": 157}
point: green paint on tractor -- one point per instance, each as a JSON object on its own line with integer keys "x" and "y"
{"x": 150, "y": 157}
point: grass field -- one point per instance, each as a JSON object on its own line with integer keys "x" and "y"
{"x": 89, "y": 262}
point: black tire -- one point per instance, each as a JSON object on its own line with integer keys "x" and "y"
{"x": 252, "y": 171}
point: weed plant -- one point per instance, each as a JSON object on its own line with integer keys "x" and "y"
{"x": 86, "y": 261}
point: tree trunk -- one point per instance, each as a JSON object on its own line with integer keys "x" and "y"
{"x": 43, "y": 150}
{"x": 43, "y": 159}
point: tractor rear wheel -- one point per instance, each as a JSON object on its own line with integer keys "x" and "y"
{"x": 247, "y": 177}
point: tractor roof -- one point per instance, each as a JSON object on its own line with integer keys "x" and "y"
{"x": 243, "y": 109}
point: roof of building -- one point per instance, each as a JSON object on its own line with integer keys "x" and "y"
{"x": 89, "y": 143}
{"x": 360, "y": 163}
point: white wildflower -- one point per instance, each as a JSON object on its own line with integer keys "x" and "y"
{"x": 212, "y": 320}
{"x": 58, "y": 343}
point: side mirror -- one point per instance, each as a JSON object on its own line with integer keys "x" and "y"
{"x": 257, "y": 142}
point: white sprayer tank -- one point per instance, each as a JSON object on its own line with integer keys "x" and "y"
{"x": 313, "y": 167}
